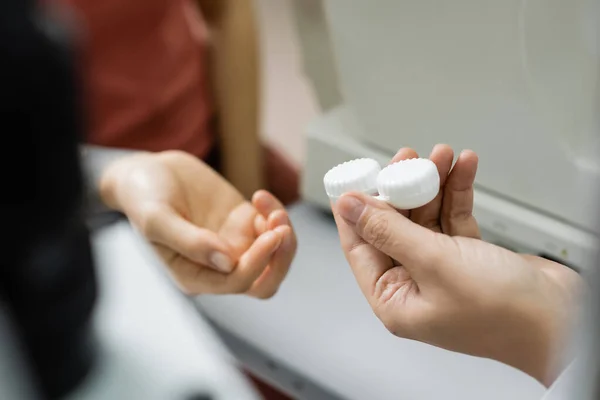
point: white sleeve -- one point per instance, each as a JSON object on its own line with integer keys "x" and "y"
{"x": 562, "y": 388}
{"x": 575, "y": 382}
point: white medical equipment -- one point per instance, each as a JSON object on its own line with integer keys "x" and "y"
{"x": 517, "y": 81}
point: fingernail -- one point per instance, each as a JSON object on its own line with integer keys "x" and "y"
{"x": 279, "y": 241}
{"x": 350, "y": 208}
{"x": 221, "y": 262}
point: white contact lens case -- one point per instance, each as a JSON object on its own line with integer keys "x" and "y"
{"x": 405, "y": 185}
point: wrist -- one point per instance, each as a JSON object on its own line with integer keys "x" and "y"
{"x": 533, "y": 343}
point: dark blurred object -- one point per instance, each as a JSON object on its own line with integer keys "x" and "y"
{"x": 47, "y": 279}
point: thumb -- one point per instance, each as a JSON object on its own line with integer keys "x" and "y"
{"x": 165, "y": 226}
{"x": 380, "y": 225}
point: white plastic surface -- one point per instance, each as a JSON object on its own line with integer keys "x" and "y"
{"x": 153, "y": 343}
{"x": 333, "y": 139}
{"x": 358, "y": 175}
{"x": 406, "y": 184}
{"x": 516, "y": 81}
{"x": 409, "y": 184}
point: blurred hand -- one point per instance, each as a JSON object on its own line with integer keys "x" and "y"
{"x": 212, "y": 240}
{"x": 429, "y": 278}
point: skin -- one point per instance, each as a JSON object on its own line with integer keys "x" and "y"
{"x": 428, "y": 276}
{"x": 211, "y": 238}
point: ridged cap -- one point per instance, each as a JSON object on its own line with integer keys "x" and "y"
{"x": 358, "y": 175}
{"x": 409, "y": 184}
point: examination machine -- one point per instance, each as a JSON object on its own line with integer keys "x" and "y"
{"x": 517, "y": 81}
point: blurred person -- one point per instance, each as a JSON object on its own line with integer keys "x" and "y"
{"x": 180, "y": 75}
{"x": 429, "y": 277}
{"x": 172, "y": 93}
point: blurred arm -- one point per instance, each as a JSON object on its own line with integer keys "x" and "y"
{"x": 235, "y": 73}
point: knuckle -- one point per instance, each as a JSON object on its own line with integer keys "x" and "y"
{"x": 401, "y": 326}
{"x": 459, "y": 215}
{"x": 356, "y": 246}
{"x": 186, "y": 289}
{"x": 457, "y": 212}
{"x": 241, "y": 286}
{"x": 461, "y": 223}
{"x": 438, "y": 254}
{"x": 193, "y": 245}
{"x": 377, "y": 232}
{"x": 185, "y": 285}
{"x": 170, "y": 157}
{"x": 431, "y": 223}
{"x": 393, "y": 325}
{"x": 173, "y": 154}
{"x": 150, "y": 216}
{"x": 266, "y": 294}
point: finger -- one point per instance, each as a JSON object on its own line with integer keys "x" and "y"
{"x": 281, "y": 218}
{"x": 404, "y": 153}
{"x": 278, "y": 218}
{"x": 269, "y": 281}
{"x": 265, "y": 203}
{"x": 367, "y": 263}
{"x": 239, "y": 228}
{"x": 272, "y": 209}
{"x": 250, "y": 266}
{"x": 260, "y": 224}
{"x": 184, "y": 271}
{"x": 415, "y": 247}
{"x": 254, "y": 261}
{"x": 429, "y": 214}
{"x": 165, "y": 226}
{"x": 457, "y": 207}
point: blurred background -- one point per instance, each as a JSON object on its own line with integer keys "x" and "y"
{"x": 289, "y": 100}
{"x": 322, "y": 82}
